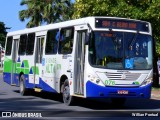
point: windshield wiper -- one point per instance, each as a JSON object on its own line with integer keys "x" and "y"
{"x": 133, "y": 40}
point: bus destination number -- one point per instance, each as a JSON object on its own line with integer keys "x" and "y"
{"x": 119, "y": 24}
{"x": 109, "y": 82}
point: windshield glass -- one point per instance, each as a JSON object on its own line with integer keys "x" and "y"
{"x": 120, "y": 50}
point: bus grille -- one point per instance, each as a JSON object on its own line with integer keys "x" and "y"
{"x": 123, "y": 76}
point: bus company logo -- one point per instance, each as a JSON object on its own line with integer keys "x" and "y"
{"x": 6, "y": 114}
{"x": 123, "y": 76}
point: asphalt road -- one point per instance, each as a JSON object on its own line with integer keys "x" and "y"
{"x": 51, "y": 104}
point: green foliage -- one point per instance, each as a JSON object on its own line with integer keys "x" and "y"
{"x": 147, "y": 10}
{"x": 57, "y": 10}
{"x": 2, "y": 34}
{"x": 49, "y": 11}
{"x": 33, "y": 11}
{"x": 152, "y": 15}
{"x": 119, "y": 8}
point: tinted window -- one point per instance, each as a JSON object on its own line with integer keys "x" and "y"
{"x": 66, "y": 41}
{"x": 22, "y": 45}
{"x": 9, "y": 45}
{"x": 52, "y": 42}
{"x": 30, "y": 44}
{"x": 120, "y": 50}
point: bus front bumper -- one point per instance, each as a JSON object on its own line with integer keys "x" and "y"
{"x": 94, "y": 90}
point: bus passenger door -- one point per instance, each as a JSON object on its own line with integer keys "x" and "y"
{"x": 14, "y": 60}
{"x": 38, "y": 59}
{"x": 79, "y": 62}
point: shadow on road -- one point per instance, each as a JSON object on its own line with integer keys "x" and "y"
{"x": 3, "y": 93}
{"x": 131, "y": 104}
{"x": 25, "y": 103}
{"x": 100, "y": 104}
{"x": 44, "y": 95}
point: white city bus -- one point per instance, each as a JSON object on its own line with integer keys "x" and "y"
{"x": 92, "y": 57}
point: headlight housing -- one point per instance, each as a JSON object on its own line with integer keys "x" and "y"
{"x": 147, "y": 81}
{"x": 94, "y": 78}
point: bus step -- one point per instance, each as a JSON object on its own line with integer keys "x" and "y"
{"x": 13, "y": 84}
{"x": 37, "y": 89}
{"x": 79, "y": 95}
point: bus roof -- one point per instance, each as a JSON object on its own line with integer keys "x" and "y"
{"x": 64, "y": 24}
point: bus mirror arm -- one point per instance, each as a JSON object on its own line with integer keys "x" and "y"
{"x": 87, "y": 38}
{"x": 90, "y": 28}
{"x": 88, "y": 35}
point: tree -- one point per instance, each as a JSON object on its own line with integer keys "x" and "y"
{"x": 147, "y": 10}
{"x": 33, "y": 11}
{"x": 57, "y": 10}
{"x": 48, "y": 11}
{"x": 119, "y": 8}
{"x": 2, "y": 34}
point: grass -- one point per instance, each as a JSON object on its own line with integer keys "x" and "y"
{"x": 155, "y": 88}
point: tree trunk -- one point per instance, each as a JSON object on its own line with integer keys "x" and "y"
{"x": 155, "y": 73}
{"x": 155, "y": 67}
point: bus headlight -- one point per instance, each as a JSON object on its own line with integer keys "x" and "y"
{"x": 147, "y": 81}
{"x": 94, "y": 78}
{"x": 97, "y": 81}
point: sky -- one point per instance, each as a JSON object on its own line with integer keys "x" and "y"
{"x": 9, "y": 14}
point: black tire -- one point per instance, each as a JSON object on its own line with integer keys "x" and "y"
{"x": 118, "y": 101}
{"x": 23, "y": 90}
{"x": 67, "y": 98}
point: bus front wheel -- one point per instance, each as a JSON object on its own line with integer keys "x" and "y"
{"x": 23, "y": 89}
{"x": 67, "y": 98}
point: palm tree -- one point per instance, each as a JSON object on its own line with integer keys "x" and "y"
{"x": 49, "y": 11}
{"x": 57, "y": 10}
{"x": 33, "y": 11}
{"x": 66, "y": 9}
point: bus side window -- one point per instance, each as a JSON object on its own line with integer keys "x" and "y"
{"x": 9, "y": 46}
{"x": 22, "y": 45}
{"x": 52, "y": 42}
{"x": 66, "y": 40}
{"x": 30, "y": 44}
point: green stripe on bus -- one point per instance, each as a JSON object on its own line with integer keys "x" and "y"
{"x": 18, "y": 70}
{"x": 22, "y": 70}
{"x": 7, "y": 65}
{"x": 26, "y": 65}
{"x": 14, "y": 67}
{"x": 18, "y": 64}
{"x": 36, "y": 71}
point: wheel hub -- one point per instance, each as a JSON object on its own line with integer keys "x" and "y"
{"x": 66, "y": 92}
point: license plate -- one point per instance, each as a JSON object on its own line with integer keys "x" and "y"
{"x": 122, "y": 92}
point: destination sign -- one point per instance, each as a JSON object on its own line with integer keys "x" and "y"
{"x": 121, "y": 24}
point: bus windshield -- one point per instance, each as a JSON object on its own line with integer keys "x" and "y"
{"x": 120, "y": 50}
